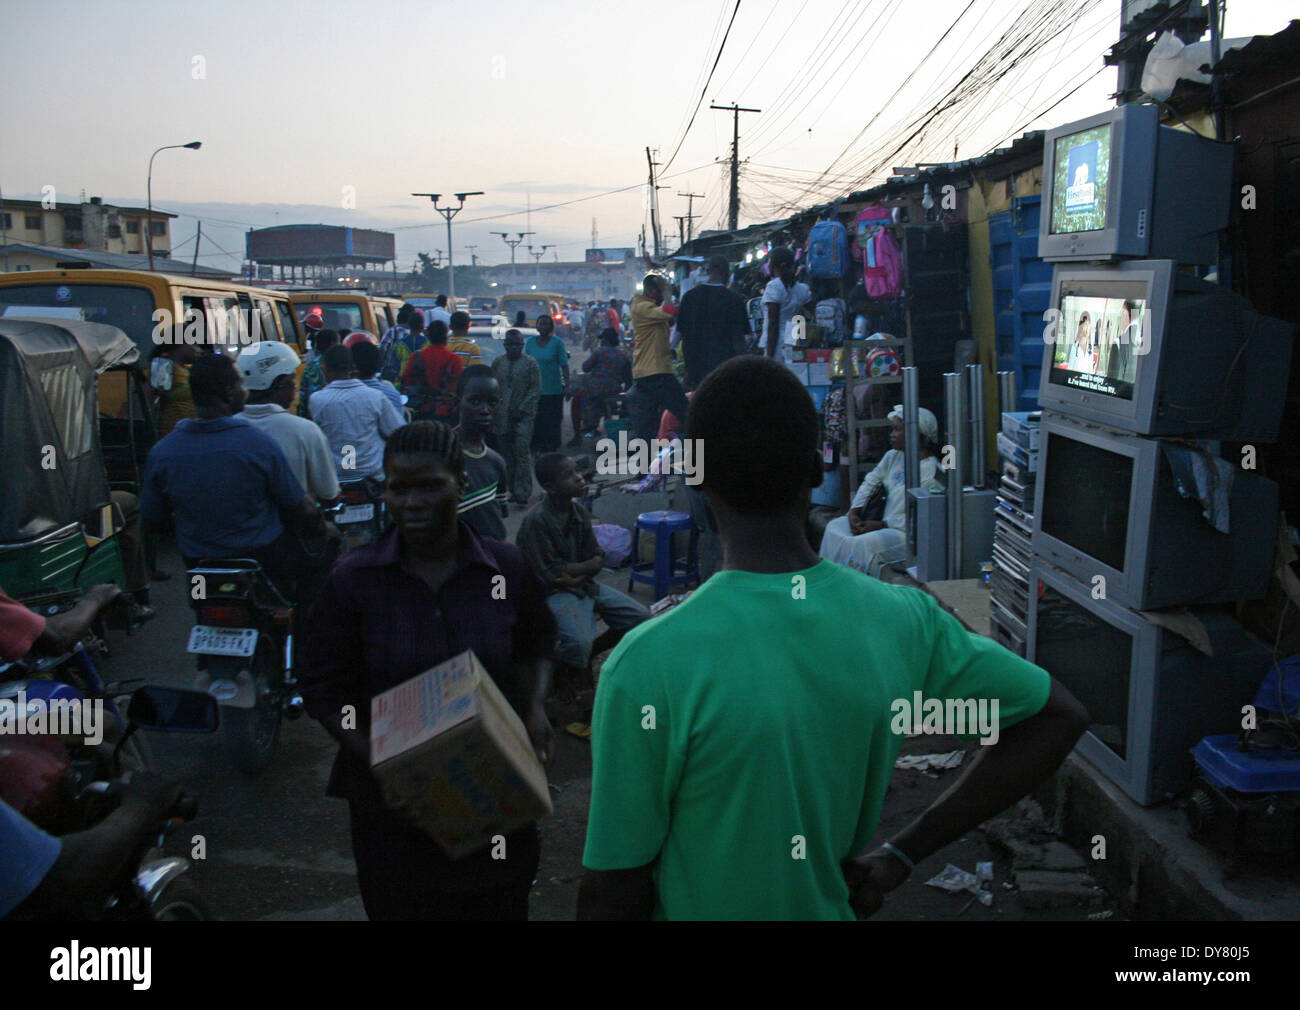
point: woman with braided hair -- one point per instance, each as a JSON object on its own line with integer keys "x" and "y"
{"x": 426, "y": 591}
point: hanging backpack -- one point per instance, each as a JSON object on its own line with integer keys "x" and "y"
{"x": 828, "y": 249}
{"x": 882, "y": 267}
{"x": 831, "y": 315}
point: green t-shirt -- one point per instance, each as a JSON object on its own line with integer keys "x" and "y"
{"x": 771, "y": 699}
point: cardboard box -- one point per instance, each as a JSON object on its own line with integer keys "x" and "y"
{"x": 447, "y": 747}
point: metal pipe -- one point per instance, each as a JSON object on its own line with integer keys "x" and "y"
{"x": 1006, "y": 393}
{"x": 954, "y": 409}
{"x": 975, "y": 377}
{"x": 911, "y": 430}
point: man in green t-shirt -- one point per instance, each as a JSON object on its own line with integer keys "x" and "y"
{"x": 743, "y": 742}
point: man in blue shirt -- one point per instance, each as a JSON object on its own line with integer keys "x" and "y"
{"x": 228, "y": 485}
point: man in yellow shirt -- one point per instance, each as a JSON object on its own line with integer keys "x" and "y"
{"x": 460, "y": 344}
{"x": 655, "y": 386}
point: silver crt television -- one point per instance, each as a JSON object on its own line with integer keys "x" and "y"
{"x": 1118, "y": 184}
{"x": 1106, "y": 504}
{"x": 1150, "y": 695}
{"x": 1148, "y": 349}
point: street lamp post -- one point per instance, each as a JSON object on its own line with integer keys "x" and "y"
{"x": 449, "y": 212}
{"x": 512, "y": 243}
{"x": 193, "y": 145}
{"x": 537, "y": 262}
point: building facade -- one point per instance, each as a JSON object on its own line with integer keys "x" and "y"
{"x": 93, "y": 225}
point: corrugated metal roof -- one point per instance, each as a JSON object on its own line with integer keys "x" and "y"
{"x": 115, "y": 261}
{"x": 1263, "y": 51}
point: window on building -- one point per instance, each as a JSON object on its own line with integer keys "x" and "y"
{"x": 157, "y": 228}
{"x": 114, "y": 231}
{"x": 133, "y": 227}
{"x": 33, "y": 222}
{"x": 6, "y": 221}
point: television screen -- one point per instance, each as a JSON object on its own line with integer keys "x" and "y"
{"x": 1102, "y": 330}
{"x": 1085, "y": 501}
{"x": 1091, "y": 657}
{"x": 1081, "y": 181}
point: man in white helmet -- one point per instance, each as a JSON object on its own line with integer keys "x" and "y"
{"x": 268, "y": 369}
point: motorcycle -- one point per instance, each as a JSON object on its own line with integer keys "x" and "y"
{"x": 360, "y": 512}
{"x": 244, "y": 644}
{"x": 64, "y": 787}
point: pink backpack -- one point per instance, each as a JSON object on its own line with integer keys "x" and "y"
{"x": 882, "y": 265}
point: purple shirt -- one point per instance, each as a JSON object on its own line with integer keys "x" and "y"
{"x": 374, "y": 626}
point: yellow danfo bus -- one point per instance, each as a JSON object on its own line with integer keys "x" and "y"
{"x": 355, "y": 310}
{"x": 146, "y": 306}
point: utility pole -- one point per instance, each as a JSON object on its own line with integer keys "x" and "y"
{"x": 690, "y": 212}
{"x": 733, "y": 211}
{"x": 512, "y": 243}
{"x": 679, "y": 218}
{"x": 449, "y": 212}
{"x": 654, "y": 206}
{"x": 473, "y": 257}
{"x": 594, "y": 235}
{"x": 537, "y": 262}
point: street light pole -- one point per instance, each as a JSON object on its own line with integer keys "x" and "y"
{"x": 449, "y": 212}
{"x": 193, "y": 145}
{"x": 514, "y": 280}
{"x": 537, "y": 262}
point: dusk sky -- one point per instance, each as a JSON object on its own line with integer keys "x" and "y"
{"x": 300, "y": 103}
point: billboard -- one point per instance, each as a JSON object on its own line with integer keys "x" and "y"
{"x": 314, "y": 242}
{"x": 610, "y": 255}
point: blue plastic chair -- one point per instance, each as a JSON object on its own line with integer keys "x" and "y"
{"x": 665, "y": 571}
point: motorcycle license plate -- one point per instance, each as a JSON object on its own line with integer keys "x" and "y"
{"x": 357, "y": 514}
{"x": 222, "y": 641}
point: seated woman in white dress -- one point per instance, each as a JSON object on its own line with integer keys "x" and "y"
{"x": 870, "y": 544}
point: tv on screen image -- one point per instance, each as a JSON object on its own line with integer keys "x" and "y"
{"x": 1098, "y": 341}
{"x": 1081, "y": 181}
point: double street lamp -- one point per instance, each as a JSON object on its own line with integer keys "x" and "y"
{"x": 449, "y": 212}
{"x": 193, "y": 145}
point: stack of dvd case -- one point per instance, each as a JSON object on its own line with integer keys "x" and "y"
{"x": 1013, "y": 530}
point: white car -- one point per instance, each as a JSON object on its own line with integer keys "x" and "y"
{"x": 488, "y": 330}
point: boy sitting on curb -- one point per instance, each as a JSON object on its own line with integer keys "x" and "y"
{"x": 557, "y": 539}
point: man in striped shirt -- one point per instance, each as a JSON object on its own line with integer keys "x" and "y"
{"x": 483, "y": 505}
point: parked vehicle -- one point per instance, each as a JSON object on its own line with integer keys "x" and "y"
{"x": 57, "y": 528}
{"x": 348, "y": 310}
{"x": 483, "y": 304}
{"x": 243, "y": 639}
{"x": 65, "y": 787}
{"x": 138, "y": 302}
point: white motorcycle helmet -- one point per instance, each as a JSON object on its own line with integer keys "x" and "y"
{"x": 262, "y": 363}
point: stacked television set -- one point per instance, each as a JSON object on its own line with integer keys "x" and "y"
{"x": 1146, "y": 525}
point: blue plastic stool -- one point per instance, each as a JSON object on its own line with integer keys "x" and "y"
{"x": 665, "y": 571}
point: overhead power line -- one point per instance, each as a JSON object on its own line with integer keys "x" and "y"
{"x": 704, "y": 90}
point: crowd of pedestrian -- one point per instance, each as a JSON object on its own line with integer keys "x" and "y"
{"x": 741, "y": 743}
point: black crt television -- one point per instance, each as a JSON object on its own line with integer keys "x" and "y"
{"x": 1108, "y": 511}
{"x": 1118, "y": 184}
{"x": 1150, "y": 695}
{"x": 1143, "y": 347}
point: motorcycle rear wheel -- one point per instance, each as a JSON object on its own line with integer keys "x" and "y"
{"x": 252, "y": 733}
{"x": 180, "y": 901}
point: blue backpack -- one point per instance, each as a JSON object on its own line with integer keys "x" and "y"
{"x": 828, "y": 250}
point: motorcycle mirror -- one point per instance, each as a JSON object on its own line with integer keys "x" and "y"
{"x": 173, "y": 710}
